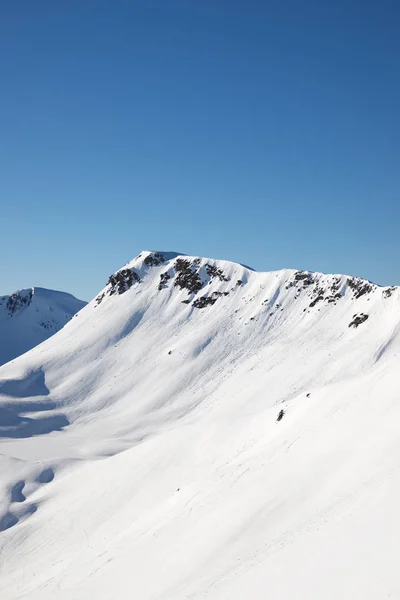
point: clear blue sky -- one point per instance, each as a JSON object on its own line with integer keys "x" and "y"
{"x": 257, "y": 131}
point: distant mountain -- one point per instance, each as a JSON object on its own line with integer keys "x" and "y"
{"x": 28, "y": 317}
{"x": 202, "y": 430}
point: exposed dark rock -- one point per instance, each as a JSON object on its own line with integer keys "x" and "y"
{"x": 329, "y": 293}
{"x": 334, "y": 298}
{"x": 358, "y": 319}
{"x": 280, "y": 415}
{"x": 359, "y": 287}
{"x": 99, "y": 299}
{"x": 213, "y": 271}
{"x": 187, "y": 277}
{"x": 164, "y": 277}
{"x": 304, "y": 277}
{"x": 205, "y": 301}
{"x": 48, "y": 325}
{"x": 154, "y": 260}
{"x": 119, "y": 282}
{"x": 122, "y": 281}
{"x": 17, "y": 301}
{"x": 388, "y": 292}
{"x": 317, "y": 299}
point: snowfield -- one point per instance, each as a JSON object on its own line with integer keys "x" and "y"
{"x": 28, "y": 317}
{"x": 141, "y": 455}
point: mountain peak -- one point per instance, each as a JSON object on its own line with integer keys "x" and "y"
{"x": 29, "y": 316}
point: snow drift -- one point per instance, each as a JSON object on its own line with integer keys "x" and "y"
{"x": 204, "y": 430}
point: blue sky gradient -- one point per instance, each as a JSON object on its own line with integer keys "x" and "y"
{"x": 262, "y": 132}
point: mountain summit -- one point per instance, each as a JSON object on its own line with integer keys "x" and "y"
{"x": 28, "y": 317}
{"x": 204, "y": 430}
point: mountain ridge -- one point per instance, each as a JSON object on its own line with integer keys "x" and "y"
{"x": 234, "y": 445}
{"x": 186, "y": 272}
{"x": 169, "y": 255}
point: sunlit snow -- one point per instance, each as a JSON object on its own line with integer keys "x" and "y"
{"x": 144, "y": 454}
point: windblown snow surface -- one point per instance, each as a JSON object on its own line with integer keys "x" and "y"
{"x": 28, "y": 317}
{"x": 142, "y": 455}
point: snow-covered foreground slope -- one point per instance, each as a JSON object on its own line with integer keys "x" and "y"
{"x": 141, "y": 455}
{"x": 28, "y": 317}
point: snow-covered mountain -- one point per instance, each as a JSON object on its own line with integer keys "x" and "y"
{"x": 201, "y": 430}
{"x": 28, "y": 317}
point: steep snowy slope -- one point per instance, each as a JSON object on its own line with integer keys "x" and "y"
{"x": 28, "y": 317}
{"x": 144, "y": 452}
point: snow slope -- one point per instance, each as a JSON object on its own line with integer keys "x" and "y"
{"x": 28, "y": 317}
{"x": 141, "y": 455}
